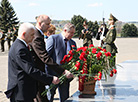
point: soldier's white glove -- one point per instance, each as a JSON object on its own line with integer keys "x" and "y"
{"x": 102, "y": 37}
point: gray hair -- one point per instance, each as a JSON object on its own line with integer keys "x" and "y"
{"x": 25, "y": 27}
{"x": 68, "y": 27}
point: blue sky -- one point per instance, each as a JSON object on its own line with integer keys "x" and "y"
{"x": 124, "y": 10}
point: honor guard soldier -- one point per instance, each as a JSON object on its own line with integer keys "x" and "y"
{"x": 14, "y": 34}
{"x": 9, "y": 35}
{"x": 2, "y": 40}
{"x": 111, "y": 37}
{"x": 86, "y": 35}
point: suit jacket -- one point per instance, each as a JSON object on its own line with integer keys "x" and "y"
{"x": 22, "y": 74}
{"x": 55, "y": 46}
{"x": 41, "y": 56}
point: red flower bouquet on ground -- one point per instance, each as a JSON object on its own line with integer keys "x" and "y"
{"x": 88, "y": 63}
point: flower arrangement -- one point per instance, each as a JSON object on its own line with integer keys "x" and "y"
{"x": 88, "y": 63}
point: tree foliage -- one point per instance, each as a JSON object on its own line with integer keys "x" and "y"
{"x": 129, "y": 30}
{"x": 78, "y": 22}
{"x": 8, "y": 16}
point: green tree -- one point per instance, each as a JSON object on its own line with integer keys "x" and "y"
{"x": 8, "y": 17}
{"x": 129, "y": 30}
{"x": 78, "y": 22}
{"x": 95, "y": 28}
{"x": 133, "y": 30}
{"x": 126, "y": 30}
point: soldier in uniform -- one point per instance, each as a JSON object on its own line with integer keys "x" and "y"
{"x": 86, "y": 35}
{"x": 102, "y": 31}
{"x": 110, "y": 37}
{"x": 2, "y": 40}
{"x": 15, "y": 34}
{"x": 9, "y": 35}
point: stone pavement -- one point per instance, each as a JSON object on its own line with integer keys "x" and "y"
{"x": 127, "y": 48}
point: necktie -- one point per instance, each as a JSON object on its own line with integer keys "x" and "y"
{"x": 28, "y": 48}
{"x": 66, "y": 44}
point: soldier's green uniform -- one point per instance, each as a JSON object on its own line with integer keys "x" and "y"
{"x": 86, "y": 36}
{"x": 9, "y": 35}
{"x": 110, "y": 38}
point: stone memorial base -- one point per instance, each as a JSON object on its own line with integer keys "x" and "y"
{"x": 122, "y": 87}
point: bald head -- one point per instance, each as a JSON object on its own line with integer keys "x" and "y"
{"x": 42, "y": 18}
{"x": 26, "y": 32}
{"x": 43, "y": 22}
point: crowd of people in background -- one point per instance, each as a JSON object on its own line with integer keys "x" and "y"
{"x": 10, "y": 37}
{"x": 34, "y": 57}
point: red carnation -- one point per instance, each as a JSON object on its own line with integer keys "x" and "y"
{"x": 62, "y": 62}
{"x": 95, "y": 78}
{"x": 108, "y": 54}
{"x": 104, "y": 50}
{"x": 84, "y": 48}
{"x": 70, "y": 58}
{"x": 91, "y": 45}
{"x": 114, "y": 71}
{"x": 77, "y": 65}
{"x": 94, "y": 50}
{"x": 100, "y": 48}
{"x": 99, "y": 75}
{"x": 98, "y": 56}
{"x": 111, "y": 74}
{"x": 72, "y": 45}
{"x": 100, "y": 53}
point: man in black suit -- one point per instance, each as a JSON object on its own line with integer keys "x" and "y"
{"x": 40, "y": 55}
{"x": 22, "y": 74}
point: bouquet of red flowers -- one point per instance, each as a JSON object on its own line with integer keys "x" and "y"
{"x": 87, "y": 63}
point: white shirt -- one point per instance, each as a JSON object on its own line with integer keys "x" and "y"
{"x": 22, "y": 41}
{"x": 40, "y": 31}
{"x": 68, "y": 45}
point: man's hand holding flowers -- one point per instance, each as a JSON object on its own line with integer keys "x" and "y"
{"x": 68, "y": 74}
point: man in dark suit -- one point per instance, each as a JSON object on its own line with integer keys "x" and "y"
{"x": 40, "y": 54}
{"x": 22, "y": 74}
{"x": 57, "y": 46}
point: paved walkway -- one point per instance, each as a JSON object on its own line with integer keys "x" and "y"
{"x": 127, "y": 48}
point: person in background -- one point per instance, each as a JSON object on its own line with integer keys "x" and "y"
{"x": 40, "y": 55}
{"x": 14, "y": 34}
{"x": 57, "y": 46}
{"x": 2, "y": 41}
{"x": 22, "y": 72}
{"x": 9, "y": 38}
{"x": 51, "y": 30}
{"x": 86, "y": 35}
{"x": 102, "y": 31}
{"x": 111, "y": 37}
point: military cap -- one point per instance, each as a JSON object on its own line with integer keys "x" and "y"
{"x": 113, "y": 18}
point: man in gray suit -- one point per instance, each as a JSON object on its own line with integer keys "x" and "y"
{"x": 57, "y": 46}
